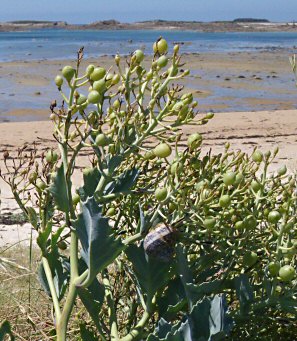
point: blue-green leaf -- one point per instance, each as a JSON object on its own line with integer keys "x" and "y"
{"x": 125, "y": 181}
{"x": 208, "y": 320}
{"x": 43, "y": 236}
{"x": 173, "y": 299}
{"x": 91, "y": 180}
{"x": 92, "y": 297}
{"x": 32, "y": 216}
{"x": 198, "y": 291}
{"x": 151, "y": 274}
{"x": 86, "y": 334}
{"x": 114, "y": 162}
{"x": 244, "y": 292}
{"x": 99, "y": 246}
{"x": 58, "y": 189}
{"x": 60, "y": 271}
{"x": 5, "y": 329}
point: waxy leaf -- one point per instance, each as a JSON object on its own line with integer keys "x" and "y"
{"x": 91, "y": 180}
{"x": 151, "y": 274}
{"x": 207, "y": 320}
{"x": 86, "y": 334}
{"x": 5, "y": 329}
{"x": 60, "y": 270}
{"x": 125, "y": 181}
{"x": 244, "y": 292}
{"x": 32, "y": 216}
{"x": 99, "y": 246}
{"x": 173, "y": 299}
{"x": 58, "y": 189}
{"x": 43, "y": 236}
{"x": 92, "y": 297}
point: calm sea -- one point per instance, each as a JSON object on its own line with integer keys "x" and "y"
{"x": 57, "y": 44}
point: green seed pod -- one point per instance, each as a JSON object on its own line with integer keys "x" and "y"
{"x": 68, "y": 72}
{"x": 209, "y": 223}
{"x": 108, "y": 79}
{"x": 239, "y": 179}
{"x": 160, "y": 46}
{"x": 90, "y": 69}
{"x": 273, "y": 268}
{"x": 32, "y": 177}
{"x": 116, "y": 104}
{"x": 209, "y": 115}
{"x": 250, "y": 222}
{"x": 115, "y": 79}
{"x": 194, "y": 141}
{"x": 163, "y": 150}
{"x": 287, "y": 273}
{"x": 41, "y": 185}
{"x": 274, "y": 217}
{"x": 225, "y": 200}
{"x": 257, "y": 156}
{"x": 94, "y": 97}
{"x": 100, "y": 86}
{"x": 161, "y": 194}
{"x": 256, "y": 186}
{"x": 81, "y": 100}
{"x": 101, "y": 140}
{"x": 110, "y": 212}
{"x": 149, "y": 155}
{"x": 229, "y": 178}
{"x": 239, "y": 225}
{"x": 188, "y": 97}
{"x": 249, "y": 259}
{"x": 117, "y": 59}
{"x": 282, "y": 170}
{"x": 51, "y": 156}
{"x": 176, "y": 49}
{"x": 162, "y": 61}
{"x": 59, "y": 81}
{"x": 139, "y": 56}
{"x": 175, "y": 167}
{"x": 97, "y": 74}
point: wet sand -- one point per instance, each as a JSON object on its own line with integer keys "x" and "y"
{"x": 221, "y": 82}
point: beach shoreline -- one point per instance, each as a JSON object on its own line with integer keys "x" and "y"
{"x": 168, "y": 25}
{"x": 220, "y": 82}
{"x": 252, "y": 94}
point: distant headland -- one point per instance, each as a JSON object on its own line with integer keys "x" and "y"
{"x": 236, "y": 25}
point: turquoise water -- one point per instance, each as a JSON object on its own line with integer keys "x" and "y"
{"x": 57, "y": 43}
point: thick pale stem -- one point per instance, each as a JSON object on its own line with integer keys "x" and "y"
{"x": 49, "y": 277}
{"x": 114, "y": 336}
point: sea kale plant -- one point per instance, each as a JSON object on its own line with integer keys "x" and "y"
{"x": 161, "y": 241}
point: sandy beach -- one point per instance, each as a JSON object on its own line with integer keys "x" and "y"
{"x": 224, "y": 83}
{"x": 221, "y": 82}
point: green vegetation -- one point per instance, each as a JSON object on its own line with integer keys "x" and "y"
{"x": 161, "y": 241}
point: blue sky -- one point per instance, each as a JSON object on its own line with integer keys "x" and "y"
{"x": 85, "y": 11}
